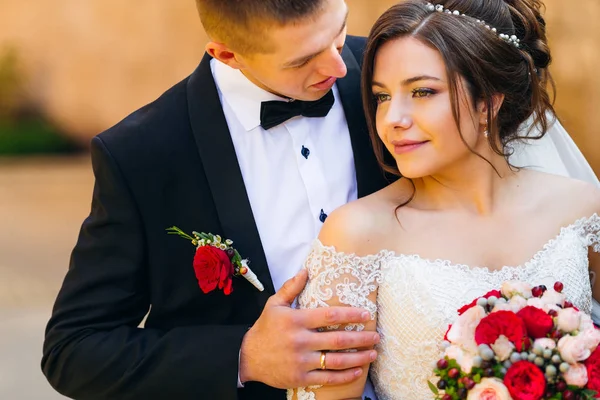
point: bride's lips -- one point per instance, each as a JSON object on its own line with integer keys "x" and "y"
{"x": 405, "y": 145}
{"x": 326, "y": 84}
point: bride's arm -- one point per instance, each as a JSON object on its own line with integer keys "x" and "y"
{"x": 338, "y": 278}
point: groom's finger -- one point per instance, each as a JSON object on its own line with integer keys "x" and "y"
{"x": 290, "y": 290}
{"x": 331, "y": 378}
{"x": 326, "y": 316}
{"x": 341, "y": 360}
{"x": 343, "y": 340}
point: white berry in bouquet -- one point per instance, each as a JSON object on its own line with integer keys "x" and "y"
{"x": 521, "y": 343}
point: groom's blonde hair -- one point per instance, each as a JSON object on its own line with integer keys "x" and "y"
{"x": 243, "y": 24}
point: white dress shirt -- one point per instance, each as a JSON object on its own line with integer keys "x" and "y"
{"x": 295, "y": 173}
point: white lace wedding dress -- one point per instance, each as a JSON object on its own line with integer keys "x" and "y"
{"x": 418, "y": 298}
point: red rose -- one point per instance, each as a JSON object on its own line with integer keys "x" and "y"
{"x": 537, "y": 321}
{"x": 474, "y": 302}
{"x": 525, "y": 381}
{"x": 593, "y": 369}
{"x": 213, "y": 269}
{"x": 501, "y": 323}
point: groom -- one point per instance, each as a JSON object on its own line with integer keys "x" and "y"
{"x": 258, "y": 145}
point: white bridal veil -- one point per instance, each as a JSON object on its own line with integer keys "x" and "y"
{"x": 556, "y": 153}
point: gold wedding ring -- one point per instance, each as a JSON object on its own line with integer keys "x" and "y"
{"x": 323, "y": 364}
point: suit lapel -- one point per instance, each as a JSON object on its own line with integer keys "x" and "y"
{"x": 223, "y": 173}
{"x": 369, "y": 176}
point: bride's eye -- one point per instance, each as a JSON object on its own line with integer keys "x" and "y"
{"x": 381, "y": 97}
{"x": 423, "y": 92}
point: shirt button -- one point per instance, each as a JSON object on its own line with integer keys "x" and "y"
{"x": 323, "y": 216}
{"x": 305, "y": 152}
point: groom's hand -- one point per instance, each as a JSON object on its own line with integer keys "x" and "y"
{"x": 283, "y": 348}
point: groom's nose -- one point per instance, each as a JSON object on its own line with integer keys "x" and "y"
{"x": 332, "y": 64}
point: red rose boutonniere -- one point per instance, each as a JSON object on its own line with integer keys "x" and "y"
{"x": 216, "y": 262}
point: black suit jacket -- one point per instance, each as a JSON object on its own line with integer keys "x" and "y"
{"x": 169, "y": 163}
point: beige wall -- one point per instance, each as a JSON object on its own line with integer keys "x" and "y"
{"x": 89, "y": 63}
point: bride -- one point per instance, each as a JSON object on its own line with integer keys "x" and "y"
{"x": 445, "y": 95}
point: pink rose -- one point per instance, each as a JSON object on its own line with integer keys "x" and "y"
{"x": 552, "y": 297}
{"x": 462, "y": 332}
{"x": 590, "y": 338}
{"x": 503, "y": 347}
{"x": 586, "y": 323}
{"x": 576, "y": 375}
{"x": 489, "y": 389}
{"x": 463, "y": 358}
{"x": 573, "y": 349}
{"x": 568, "y": 320}
{"x": 516, "y": 288}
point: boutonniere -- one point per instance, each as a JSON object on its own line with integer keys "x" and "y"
{"x": 216, "y": 262}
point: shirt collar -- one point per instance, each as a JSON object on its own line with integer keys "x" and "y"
{"x": 243, "y": 96}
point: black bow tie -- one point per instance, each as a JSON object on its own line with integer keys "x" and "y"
{"x": 273, "y": 113}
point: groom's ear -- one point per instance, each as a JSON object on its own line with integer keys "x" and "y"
{"x": 483, "y": 106}
{"x": 224, "y": 54}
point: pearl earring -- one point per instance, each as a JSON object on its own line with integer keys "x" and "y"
{"x": 485, "y": 130}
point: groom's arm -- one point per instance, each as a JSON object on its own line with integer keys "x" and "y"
{"x": 93, "y": 347}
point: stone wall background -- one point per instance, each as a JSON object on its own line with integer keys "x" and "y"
{"x": 87, "y": 64}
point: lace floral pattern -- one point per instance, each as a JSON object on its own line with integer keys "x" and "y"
{"x": 417, "y": 298}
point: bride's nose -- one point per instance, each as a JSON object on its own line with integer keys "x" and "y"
{"x": 398, "y": 116}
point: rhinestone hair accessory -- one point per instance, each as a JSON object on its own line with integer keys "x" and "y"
{"x": 510, "y": 39}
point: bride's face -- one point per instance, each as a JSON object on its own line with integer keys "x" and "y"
{"x": 414, "y": 116}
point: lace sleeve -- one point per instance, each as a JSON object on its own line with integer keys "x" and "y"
{"x": 335, "y": 279}
{"x": 351, "y": 279}
{"x": 591, "y": 227}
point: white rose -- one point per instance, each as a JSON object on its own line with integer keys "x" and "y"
{"x": 516, "y": 288}
{"x": 568, "y": 320}
{"x": 503, "y": 347}
{"x": 576, "y": 375}
{"x": 501, "y": 307}
{"x": 536, "y": 302}
{"x": 462, "y": 332}
{"x": 517, "y": 303}
{"x": 573, "y": 349}
{"x": 553, "y": 297}
{"x": 545, "y": 343}
{"x": 489, "y": 389}
{"x": 463, "y": 358}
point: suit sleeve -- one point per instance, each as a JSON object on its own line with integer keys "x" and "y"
{"x": 93, "y": 347}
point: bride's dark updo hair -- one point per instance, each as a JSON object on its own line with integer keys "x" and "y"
{"x": 488, "y": 64}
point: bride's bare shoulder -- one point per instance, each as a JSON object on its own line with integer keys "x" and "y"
{"x": 357, "y": 227}
{"x": 570, "y": 197}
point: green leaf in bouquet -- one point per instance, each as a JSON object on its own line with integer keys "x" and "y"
{"x": 588, "y": 394}
{"x": 433, "y": 388}
{"x": 477, "y": 378}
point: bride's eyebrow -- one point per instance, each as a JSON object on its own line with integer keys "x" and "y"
{"x": 408, "y": 81}
{"x": 414, "y": 79}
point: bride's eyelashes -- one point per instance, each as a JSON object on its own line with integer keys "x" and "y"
{"x": 380, "y": 97}
{"x": 417, "y": 93}
{"x": 423, "y": 92}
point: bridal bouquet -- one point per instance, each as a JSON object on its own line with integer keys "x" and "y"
{"x": 520, "y": 343}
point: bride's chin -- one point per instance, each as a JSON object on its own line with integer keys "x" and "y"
{"x": 413, "y": 171}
